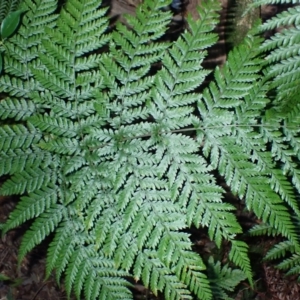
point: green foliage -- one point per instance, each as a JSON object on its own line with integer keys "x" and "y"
{"x": 6, "y": 7}
{"x": 112, "y": 148}
{"x": 9, "y": 21}
{"x": 10, "y": 24}
{"x": 223, "y": 279}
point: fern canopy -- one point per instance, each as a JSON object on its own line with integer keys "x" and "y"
{"x": 112, "y": 148}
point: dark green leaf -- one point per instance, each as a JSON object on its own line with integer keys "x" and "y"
{"x": 4, "y": 277}
{"x": 10, "y": 23}
{"x": 1, "y": 63}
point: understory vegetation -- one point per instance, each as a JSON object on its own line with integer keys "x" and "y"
{"x": 114, "y": 142}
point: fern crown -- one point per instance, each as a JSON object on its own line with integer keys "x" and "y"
{"x": 112, "y": 144}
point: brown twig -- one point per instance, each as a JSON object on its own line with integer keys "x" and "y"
{"x": 38, "y": 291}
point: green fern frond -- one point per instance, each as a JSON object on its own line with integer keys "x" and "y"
{"x": 60, "y": 108}
{"x": 191, "y": 274}
{"x": 14, "y": 86}
{"x": 99, "y": 134}
{"x": 239, "y": 255}
{"x": 62, "y": 257}
{"x": 60, "y": 241}
{"x": 7, "y": 6}
{"x": 23, "y": 47}
{"x": 159, "y": 278}
{"x": 291, "y": 264}
{"x": 174, "y": 250}
{"x": 32, "y": 206}
{"x": 58, "y": 126}
{"x": 27, "y": 181}
{"x": 223, "y": 279}
{"x": 284, "y": 63}
{"x": 110, "y": 277}
{"x": 249, "y": 138}
{"x": 280, "y": 250}
{"x": 263, "y": 229}
{"x": 18, "y": 137}
{"x": 286, "y": 18}
{"x": 61, "y": 146}
{"x": 231, "y": 156}
{"x": 283, "y": 153}
{"x": 16, "y": 109}
{"x": 262, "y": 2}
{"x": 99, "y": 286}
{"x": 14, "y": 161}
{"x": 41, "y": 227}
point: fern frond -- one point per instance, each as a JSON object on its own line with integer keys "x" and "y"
{"x": 98, "y": 134}
{"x": 235, "y": 79}
{"x": 18, "y": 160}
{"x": 41, "y": 227}
{"x": 284, "y": 57}
{"x": 280, "y": 250}
{"x": 223, "y": 279}
{"x": 238, "y": 255}
{"x": 231, "y": 156}
{"x": 159, "y": 278}
{"x": 105, "y": 271}
{"x": 104, "y": 285}
{"x": 191, "y": 274}
{"x": 61, "y": 258}
{"x": 286, "y": 18}
{"x": 64, "y": 146}
{"x": 263, "y": 229}
{"x": 292, "y": 264}
{"x": 250, "y": 139}
{"x": 23, "y": 47}
{"x": 76, "y": 259}
{"x": 60, "y": 108}
{"x": 55, "y": 125}
{"x": 27, "y": 181}
{"x": 18, "y": 137}
{"x": 266, "y": 204}
{"x": 15, "y": 87}
{"x": 7, "y": 6}
{"x": 16, "y": 109}
{"x": 282, "y": 152}
{"x": 262, "y": 2}
{"x": 182, "y": 73}
{"x": 62, "y": 239}
{"x": 32, "y": 206}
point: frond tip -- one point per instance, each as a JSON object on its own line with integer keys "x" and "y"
{"x": 239, "y": 255}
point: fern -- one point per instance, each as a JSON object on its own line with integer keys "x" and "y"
{"x": 7, "y": 6}
{"x": 112, "y": 148}
{"x": 223, "y": 279}
{"x": 283, "y": 134}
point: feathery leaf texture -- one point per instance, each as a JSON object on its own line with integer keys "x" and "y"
{"x": 223, "y": 279}
{"x": 113, "y": 150}
{"x": 7, "y": 6}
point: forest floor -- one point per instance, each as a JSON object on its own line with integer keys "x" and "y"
{"x": 27, "y": 282}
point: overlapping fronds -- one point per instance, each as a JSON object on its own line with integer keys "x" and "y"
{"x": 7, "y": 6}
{"x": 223, "y": 279}
{"x": 284, "y": 55}
{"x": 23, "y": 47}
{"x": 238, "y": 151}
{"x": 112, "y": 147}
